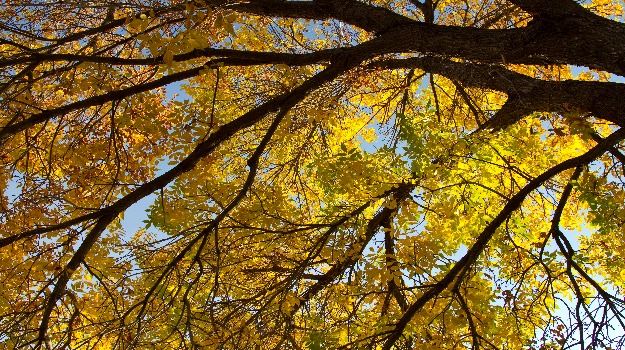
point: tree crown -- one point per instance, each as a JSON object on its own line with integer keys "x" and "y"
{"x": 328, "y": 174}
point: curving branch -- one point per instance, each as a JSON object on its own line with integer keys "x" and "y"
{"x": 485, "y": 236}
{"x": 354, "y": 251}
{"x": 41, "y": 117}
{"x": 202, "y": 150}
{"x": 525, "y": 94}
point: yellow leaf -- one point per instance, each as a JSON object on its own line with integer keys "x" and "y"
{"x": 168, "y": 58}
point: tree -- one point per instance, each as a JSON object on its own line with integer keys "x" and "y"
{"x": 330, "y": 174}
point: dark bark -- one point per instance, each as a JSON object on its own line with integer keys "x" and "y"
{"x": 525, "y": 94}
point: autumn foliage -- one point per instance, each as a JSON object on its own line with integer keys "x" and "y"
{"x": 385, "y": 174}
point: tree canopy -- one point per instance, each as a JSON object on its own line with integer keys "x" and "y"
{"x": 385, "y": 174}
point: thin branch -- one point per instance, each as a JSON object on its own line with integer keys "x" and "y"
{"x": 482, "y": 240}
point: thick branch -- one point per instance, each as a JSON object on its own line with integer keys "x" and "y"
{"x": 247, "y": 57}
{"x": 368, "y": 17}
{"x": 525, "y": 94}
{"x": 552, "y": 7}
{"x": 459, "y": 42}
{"x": 590, "y": 41}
